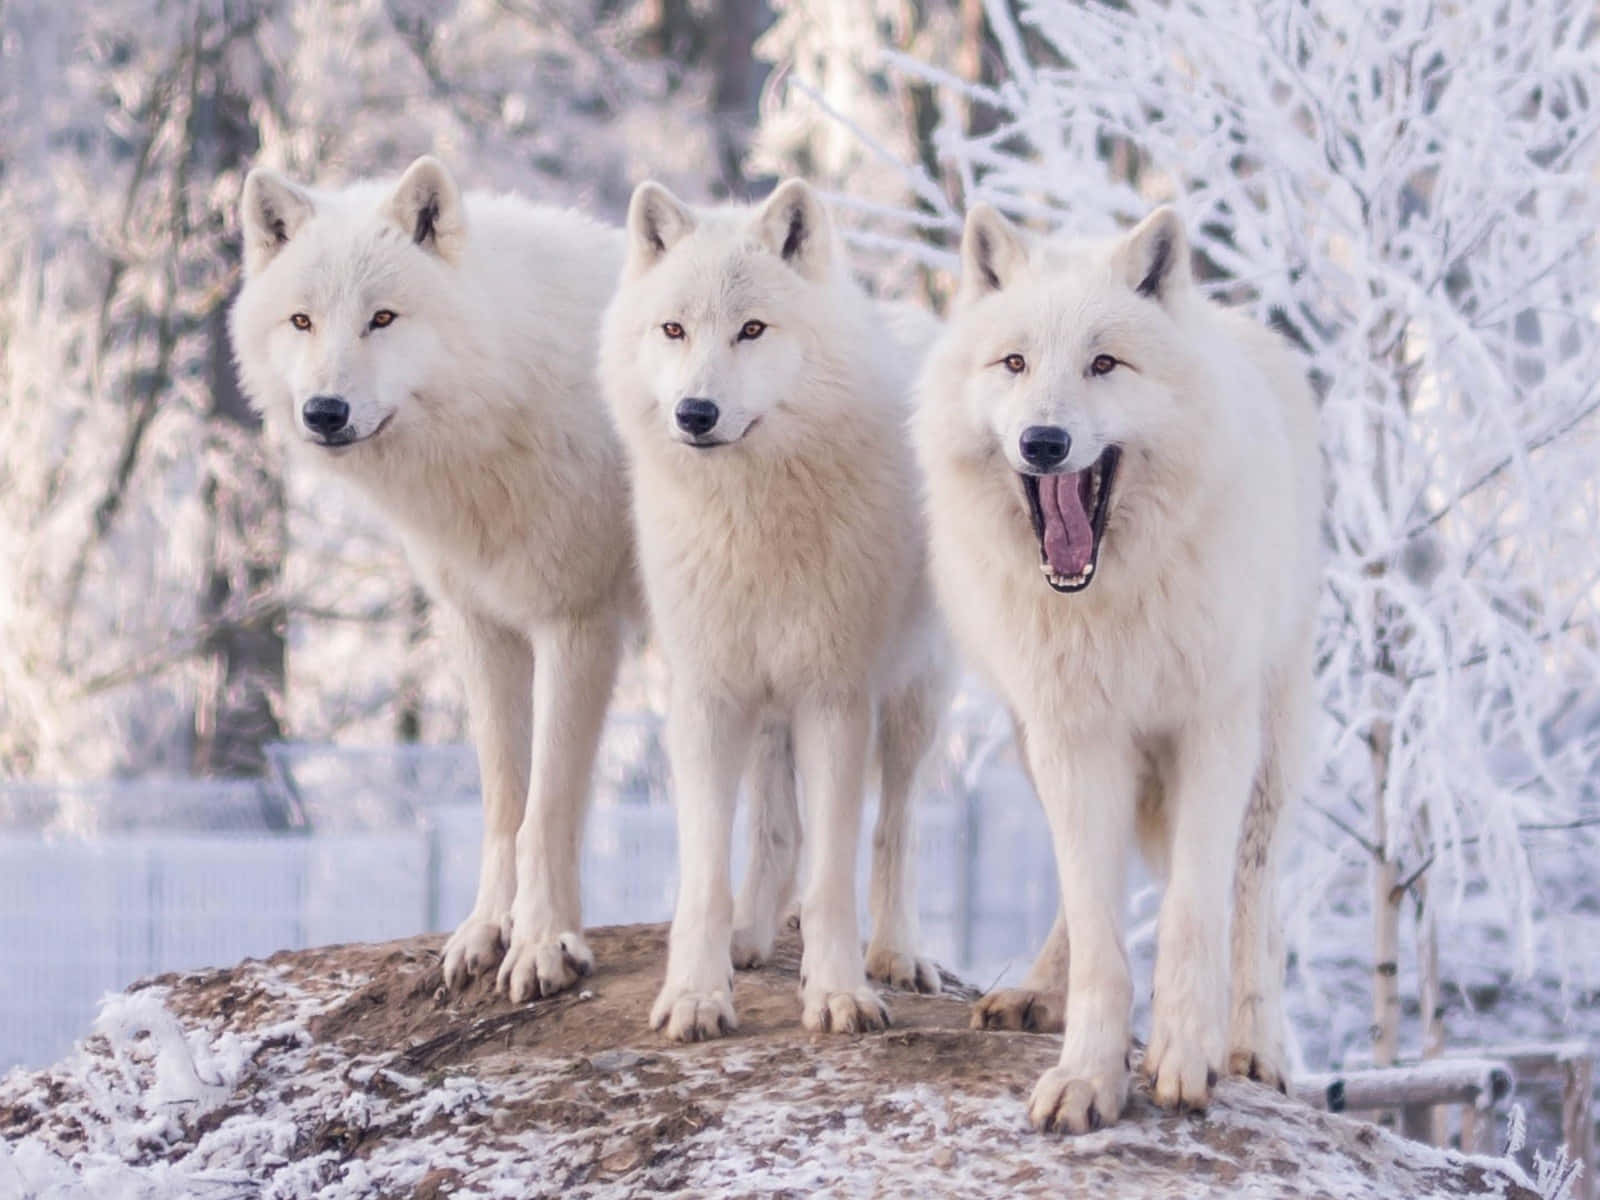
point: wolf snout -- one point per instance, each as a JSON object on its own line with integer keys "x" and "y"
{"x": 1044, "y": 446}
{"x": 326, "y": 416}
{"x": 697, "y": 416}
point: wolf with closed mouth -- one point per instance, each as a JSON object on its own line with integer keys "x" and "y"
{"x": 1124, "y": 496}
{"x": 762, "y": 400}
{"x": 436, "y": 351}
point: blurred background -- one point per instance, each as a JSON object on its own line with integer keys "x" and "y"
{"x": 226, "y": 727}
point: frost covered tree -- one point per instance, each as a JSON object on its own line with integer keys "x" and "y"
{"x": 834, "y": 112}
{"x": 1408, "y": 191}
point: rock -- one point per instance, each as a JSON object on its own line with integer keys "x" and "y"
{"x": 347, "y": 1073}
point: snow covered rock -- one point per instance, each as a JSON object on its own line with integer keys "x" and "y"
{"x": 346, "y": 1072}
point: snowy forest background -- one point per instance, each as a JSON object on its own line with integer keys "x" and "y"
{"x": 1409, "y": 191}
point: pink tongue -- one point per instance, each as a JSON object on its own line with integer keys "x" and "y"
{"x": 1068, "y": 539}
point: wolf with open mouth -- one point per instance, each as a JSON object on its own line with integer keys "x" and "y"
{"x": 1090, "y": 416}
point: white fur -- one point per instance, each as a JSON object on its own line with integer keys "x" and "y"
{"x": 1164, "y": 703}
{"x": 481, "y": 435}
{"x": 784, "y": 573}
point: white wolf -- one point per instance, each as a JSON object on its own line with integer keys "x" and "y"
{"x": 762, "y": 399}
{"x": 437, "y": 351}
{"x": 1123, "y": 497}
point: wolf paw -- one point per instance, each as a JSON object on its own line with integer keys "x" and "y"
{"x": 1180, "y": 1071}
{"x": 750, "y": 948}
{"x": 1255, "y": 1040}
{"x": 473, "y": 949}
{"x": 1264, "y": 1066}
{"x": 1073, "y": 1102}
{"x": 1020, "y": 1008}
{"x": 687, "y": 1015}
{"x": 860, "y": 1011}
{"x": 535, "y": 967}
{"x": 904, "y": 971}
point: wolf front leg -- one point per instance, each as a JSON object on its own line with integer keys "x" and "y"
{"x": 1208, "y": 784}
{"x": 830, "y": 742}
{"x": 1088, "y": 792}
{"x": 708, "y": 739}
{"x": 907, "y": 723}
{"x": 497, "y": 669}
{"x": 769, "y": 876}
{"x": 574, "y": 672}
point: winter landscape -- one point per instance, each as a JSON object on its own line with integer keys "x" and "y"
{"x": 230, "y": 730}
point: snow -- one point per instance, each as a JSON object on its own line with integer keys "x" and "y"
{"x": 154, "y": 1106}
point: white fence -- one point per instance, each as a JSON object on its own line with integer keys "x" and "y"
{"x": 103, "y": 885}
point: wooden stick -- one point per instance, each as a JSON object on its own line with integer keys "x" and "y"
{"x": 1483, "y": 1082}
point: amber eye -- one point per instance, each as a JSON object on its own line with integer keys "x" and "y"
{"x": 300, "y": 321}
{"x": 1015, "y": 363}
{"x": 673, "y": 330}
{"x": 381, "y": 318}
{"x": 751, "y": 330}
{"x": 1103, "y": 364}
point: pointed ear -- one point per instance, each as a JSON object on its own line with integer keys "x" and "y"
{"x": 271, "y": 211}
{"x": 795, "y": 224}
{"x": 993, "y": 250}
{"x": 426, "y": 204}
{"x": 1155, "y": 255}
{"x": 656, "y": 221}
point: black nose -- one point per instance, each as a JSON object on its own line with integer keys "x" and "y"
{"x": 696, "y": 416}
{"x": 325, "y": 415}
{"x": 1045, "y": 446}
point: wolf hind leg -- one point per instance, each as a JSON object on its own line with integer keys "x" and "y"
{"x": 1256, "y": 1023}
{"x": 767, "y": 890}
{"x": 908, "y": 723}
{"x": 1039, "y": 1005}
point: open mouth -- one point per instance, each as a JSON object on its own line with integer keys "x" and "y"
{"x": 1069, "y": 519}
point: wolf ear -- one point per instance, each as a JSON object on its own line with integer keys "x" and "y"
{"x": 426, "y": 204}
{"x": 993, "y": 250}
{"x": 656, "y": 221}
{"x": 1155, "y": 255}
{"x": 271, "y": 211}
{"x": 796, "y": 226}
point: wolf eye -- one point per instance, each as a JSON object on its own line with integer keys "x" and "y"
{"x": 752, "y": 330}
{"x": 673, "y": 330}
{"x": 381, "y": 318}
{"x": 300, "y": 321}
{"x": 1103, "y": 364}
{"x": 1015, "y": 363}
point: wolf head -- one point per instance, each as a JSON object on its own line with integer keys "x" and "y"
{"x": 1063, "y": 365}
{"x": 718, "y": 314}
{"x": 334, "y": 329}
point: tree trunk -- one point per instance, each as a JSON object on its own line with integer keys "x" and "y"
{"x": 1427, "y": 1123}
{"x": 236, "y": 713}
{"x": 408, "y": 706}
{"x": 1385, "y": 914}
{"x": 736, "y": 89}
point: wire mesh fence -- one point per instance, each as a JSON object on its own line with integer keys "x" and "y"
{"x": 107, "y": 883}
